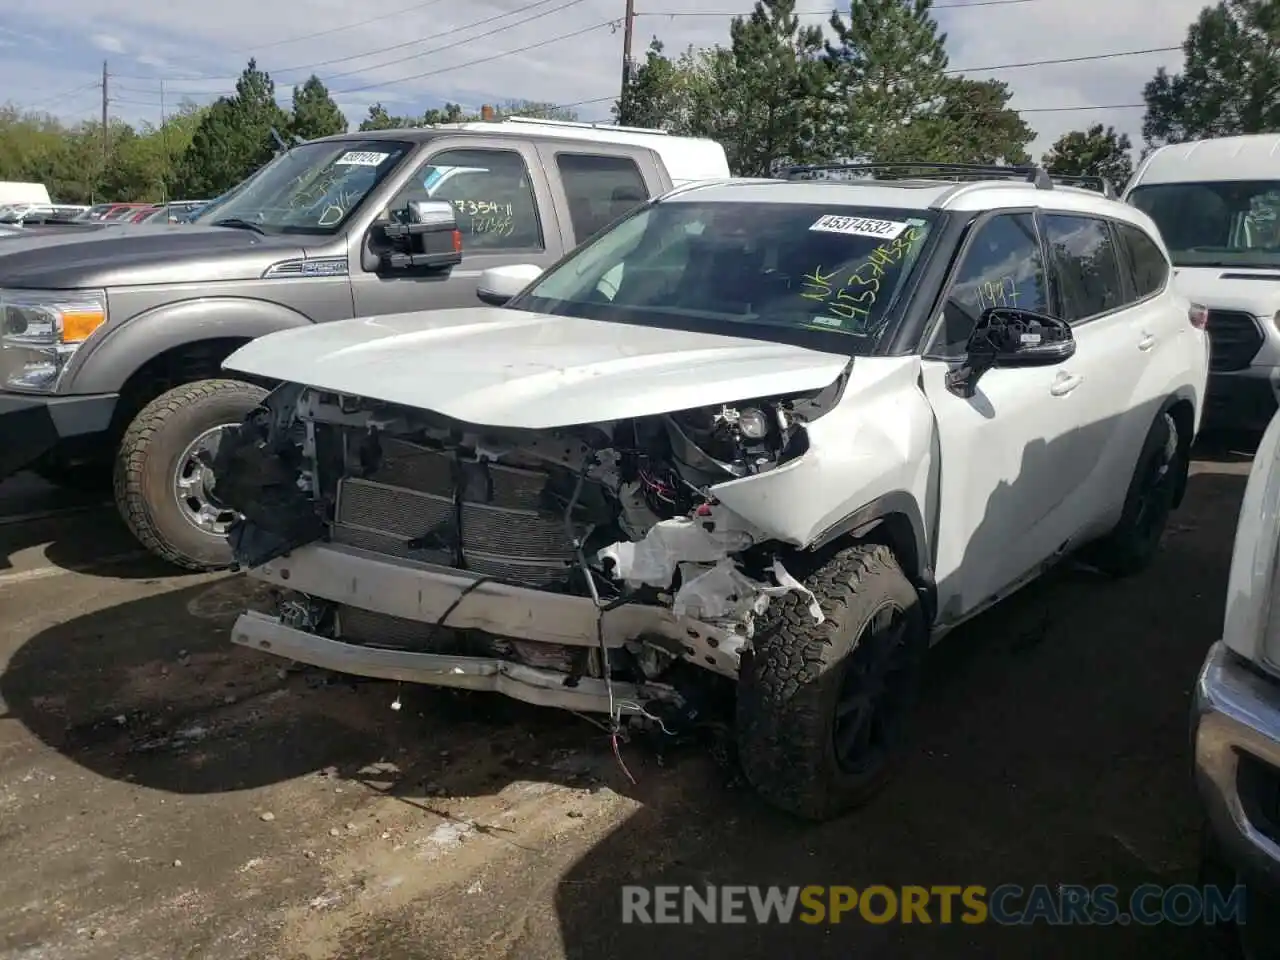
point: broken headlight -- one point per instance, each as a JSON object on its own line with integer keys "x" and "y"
{"x": 734, "y": 440}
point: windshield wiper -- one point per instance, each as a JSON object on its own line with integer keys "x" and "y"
{"x": 239, "y": 225}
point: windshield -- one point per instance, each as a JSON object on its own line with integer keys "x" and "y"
{"x": 311, "y": 189}
{"x": 1230, "y": 223}
{"x": 746, "y": 269}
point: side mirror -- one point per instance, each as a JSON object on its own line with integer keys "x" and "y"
{"x": 424, "y": 235}
{"x": 1009, "y": 337}
{"x": 499, "y": 284}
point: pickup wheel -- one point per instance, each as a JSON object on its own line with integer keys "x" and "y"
{"x": 162, "y": 490}
{"x": 822, "y": 707}
{"x": 1162, "y": 466}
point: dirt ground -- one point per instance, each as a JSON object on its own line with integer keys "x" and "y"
{"x": 164, "y": 794}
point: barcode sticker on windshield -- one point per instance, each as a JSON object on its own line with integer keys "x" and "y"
{"x": 859, "y": 226}
{"x": 358, "y": 158}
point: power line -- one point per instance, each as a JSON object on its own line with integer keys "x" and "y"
{"x": 472, "y": 63}
{"x": 402, "y": 45}
{"x": 826, "y": 11}
{"x": 454, "y": 30}
{"x": 1045, "y": 63}
{"x": 439, "y": 70}
{"x": 1072, "y": 109}
{"x": 349, "y": 26}
{"x": 542, "y": 43}
{"x": 59, "y": 97}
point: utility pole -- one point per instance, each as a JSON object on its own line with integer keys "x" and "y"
{"x": 164, "y": 146}
{"x": 106, "y": 140}
{"x": 627, "y": 30}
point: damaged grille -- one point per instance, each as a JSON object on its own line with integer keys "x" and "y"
{"x": 424, "y": 505}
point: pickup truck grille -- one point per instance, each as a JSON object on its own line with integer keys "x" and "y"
{"x": 493, "y": 523}
{"x": 1234, "y": 339}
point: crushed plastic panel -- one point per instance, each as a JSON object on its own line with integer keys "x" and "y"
{"x": 723, "y": 592}
{"x": 653, "y": 561}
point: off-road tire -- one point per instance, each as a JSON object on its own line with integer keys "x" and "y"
{"x": 791, "y": 679}
{"x": 1132, "y": 546}
{"x": 147, "y": 459}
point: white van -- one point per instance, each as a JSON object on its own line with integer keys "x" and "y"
{"x": 13, "y": 191}
{"x": 1217, "y": 204}
{"x": 687, "y": 159}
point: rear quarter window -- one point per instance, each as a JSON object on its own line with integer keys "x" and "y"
{"x": 1146, "y": 262}
{"x": 1085, "y": 265}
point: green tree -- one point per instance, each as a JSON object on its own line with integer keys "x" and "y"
{"x": 314, "y": 112}
{"x": 1230, "y": 81}
{"x": 380, "y": 119}
{"x": 766, "y": 90}
{"x": 449, "y": 113}
{"x": 888, "y": 70}
{"x": 1096, "y": 152}
{"x": 234, "y": 137}
{"x": 540, "y": 109}
{"x": 970, "y": 123}
{"x": 670, "y": 94}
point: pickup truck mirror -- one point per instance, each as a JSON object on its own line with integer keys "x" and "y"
{"x": 424, "y": 234}
{"x": 499, "y": 284}
{"x": 1010, "y": 337}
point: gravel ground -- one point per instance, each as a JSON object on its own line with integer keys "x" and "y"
{"x": 164, "y": 794}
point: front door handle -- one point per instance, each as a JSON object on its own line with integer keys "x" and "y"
{"x": 1064, "y": 383}
{"x": 1146, "y": 343}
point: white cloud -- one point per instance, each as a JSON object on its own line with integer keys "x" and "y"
{"x": 108, "y": 43}
{"x": 205, "y": 45}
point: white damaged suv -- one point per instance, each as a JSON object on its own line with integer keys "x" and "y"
{"x": 770, "y": 436}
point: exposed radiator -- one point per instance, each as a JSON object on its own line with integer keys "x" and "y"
{"x": 497, "y": 522}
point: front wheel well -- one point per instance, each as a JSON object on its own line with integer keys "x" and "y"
{"x": 198, "y": 360}
{"x": 895, "y": 530}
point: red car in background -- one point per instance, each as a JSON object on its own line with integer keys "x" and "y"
{"x": 144, "y": 213}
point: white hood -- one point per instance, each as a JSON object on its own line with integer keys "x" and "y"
{"x": 1258, "y": 295}
{"x": 509, "y": 368}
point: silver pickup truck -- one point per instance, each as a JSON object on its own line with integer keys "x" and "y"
{"x": 112, "y": 342}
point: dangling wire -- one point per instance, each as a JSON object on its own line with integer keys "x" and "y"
{"x": 615, "y": 714}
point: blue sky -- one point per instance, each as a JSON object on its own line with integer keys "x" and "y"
{"x": 51, "y": 54}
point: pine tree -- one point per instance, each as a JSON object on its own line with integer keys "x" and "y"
{"x": 889, "y": 67}
{"x": 314, "y": 112}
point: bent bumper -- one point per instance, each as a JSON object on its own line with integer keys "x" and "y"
{"x": 430, "y": 594}
{"x": 1236, "y": 732}
{"x": 32, "y": 426}
{"x": 544, "y": 688}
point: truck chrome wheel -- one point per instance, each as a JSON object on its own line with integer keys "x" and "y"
{"x": 193, "y": 487}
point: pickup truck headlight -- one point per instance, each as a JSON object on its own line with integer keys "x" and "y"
{"x": 40, "y": 330}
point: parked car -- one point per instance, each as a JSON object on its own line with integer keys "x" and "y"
{"x": 124, "y": 212}
{"x": 731, "y": 442}
{"x": 148, "y": 214}
{"x": 98, "y": 211}
{"x": 1236, "y": 720}
{"x": 1217, "y": 204}
{"x": 310, "y": 238}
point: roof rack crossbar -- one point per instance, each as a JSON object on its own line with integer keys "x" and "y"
{"x": 1101, "y": 184}
{"x": 1030, "y": 173}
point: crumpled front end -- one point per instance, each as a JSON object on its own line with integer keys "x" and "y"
{"x": 589, "y": 568}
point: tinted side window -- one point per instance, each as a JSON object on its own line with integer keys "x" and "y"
{"x": 1150, "y": 268}
{"x": 1002, "y": 267}
{"x": 600, "y": 190}
{"x": 490, "y": 190}
{"x": 1085, "y": 265}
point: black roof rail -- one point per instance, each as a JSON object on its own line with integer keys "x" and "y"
{"x": 1101, "y": 184}
{"x": 928, "y": 170}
